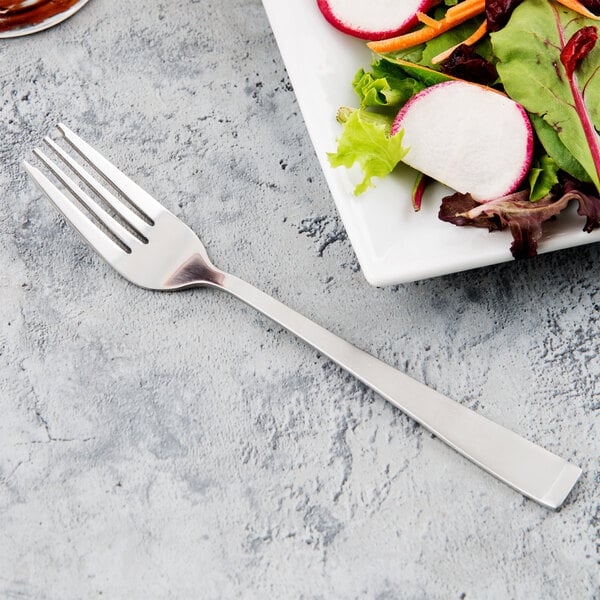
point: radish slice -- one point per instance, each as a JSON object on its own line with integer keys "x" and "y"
{"x": 373, "y": 19}
{"x": 468, "y": 137}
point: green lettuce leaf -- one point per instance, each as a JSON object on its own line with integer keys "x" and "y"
{"x": 366, "y": 141}
{"x": 385, "y": 85}
{"x": 413, "y": 55}
{"x": 425, "y": 75}
{"x": 542, "y": 177}
{"x": 528, "y": 49}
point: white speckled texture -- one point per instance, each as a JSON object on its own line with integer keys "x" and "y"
{"x": 182, "y": 446}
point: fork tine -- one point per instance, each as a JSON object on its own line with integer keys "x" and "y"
{"x": 88, "y": 230}
{"x": 111, "y": 224}
{"x": 133, "y": 192}
{"x": 119, "y": 207}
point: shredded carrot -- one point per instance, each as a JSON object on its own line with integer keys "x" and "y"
{"x": 470, "y": 9}
{"x": 472, "y": 39}
{"x": 459, "y": 8}
{"x": 576, "y": 6}
{"x": 427, "y": 20}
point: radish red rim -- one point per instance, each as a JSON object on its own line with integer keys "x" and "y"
{"x": 488, "y": 134}
{"x": 373, "y": 20}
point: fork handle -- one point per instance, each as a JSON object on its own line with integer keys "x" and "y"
{"x": 528, "y": 468}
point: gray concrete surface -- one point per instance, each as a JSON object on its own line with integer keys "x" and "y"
{"x": 182, "y": 446}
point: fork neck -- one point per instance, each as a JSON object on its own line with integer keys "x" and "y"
{"x": 194, "y": 272}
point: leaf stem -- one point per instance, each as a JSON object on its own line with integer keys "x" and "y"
{"x": 588, "y": 128}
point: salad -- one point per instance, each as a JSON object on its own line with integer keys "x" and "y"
{"x": 498, "y": 99}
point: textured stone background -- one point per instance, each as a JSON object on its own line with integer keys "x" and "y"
{"x": 160, "y": 446}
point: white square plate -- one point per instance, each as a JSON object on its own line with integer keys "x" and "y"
{"x": 392, "y": 243}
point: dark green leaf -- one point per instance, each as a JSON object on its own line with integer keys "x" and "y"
{"x": 528, "y": 49}
{"x": 556, "y": 149}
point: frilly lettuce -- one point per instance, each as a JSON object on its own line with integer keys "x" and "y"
{"x": 366, "y": 140}
{"x": 384, "y": 86}
{"x": 521, "y": 216}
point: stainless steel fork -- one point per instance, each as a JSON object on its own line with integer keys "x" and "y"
{"x": 152, "y": 248}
